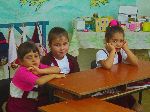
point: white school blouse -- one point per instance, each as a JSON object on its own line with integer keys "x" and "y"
{"x": 103, "y": 55}
{"x": 63, "y": 65}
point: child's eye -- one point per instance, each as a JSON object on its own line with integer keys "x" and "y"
{"x": 122, "y": 41}
{"x": 115, "y": 41}
{"x": 65, "y": 43}
{"x": 57, "y": 45}
{"x": 36, "y": 56}
{"x": 29, "y": 57}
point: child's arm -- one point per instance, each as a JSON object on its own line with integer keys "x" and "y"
{"x": 44, "y": 79}
{"x": 131, "y": 58}
{"x": 49, "y": 70}
{"x": 109, "y": 61}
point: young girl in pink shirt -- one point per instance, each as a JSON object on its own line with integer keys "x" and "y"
{"x": 25, "y": 94}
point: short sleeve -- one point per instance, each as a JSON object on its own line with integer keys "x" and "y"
{"x": 24, "y": 79}
{"x": 124, "y": 55}
{"x": 100, "y": 55}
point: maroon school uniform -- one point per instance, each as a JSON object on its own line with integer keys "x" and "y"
{"x": 29, "y": 104}
{"x": 23, "y": 104}
{"x": 48, "y": 60}
{"x": 73, "y": 64}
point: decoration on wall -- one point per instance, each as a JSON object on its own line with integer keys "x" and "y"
{"x": 37, "y": 3}
{"x": 95, "y": 3}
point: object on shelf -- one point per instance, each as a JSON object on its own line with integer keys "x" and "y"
{"x": 85, "y": 30}
{"x": 124, "y": 26}
{"x": 79, "y": 24}
{"x": 101, "y": 23}
{"x": 141, "y": 20}
{"x": 146, "y": 26}
{"x": 147, "y": 18}
{"x": 135, "y": 26}
{"x": 89, "y": 25}
{"x": 95, "y": 15}
{"x": 127, "y": 14}
{"x": 130, "y": 19}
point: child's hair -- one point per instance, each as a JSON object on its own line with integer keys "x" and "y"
{"x": 57, "y": 32}
{"x": 111, "y": 30}
{"x": 26, "y": 48}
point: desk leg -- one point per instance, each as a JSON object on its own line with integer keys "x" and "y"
{"x": 140, "y": 97}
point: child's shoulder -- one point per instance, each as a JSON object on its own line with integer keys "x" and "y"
{"x": 45, "y": 59}
{"x": 71, "y": 57}
{"x": 102, "y": 51}
{"x": 21, "y": 69}
{"x": 47, "y": 55}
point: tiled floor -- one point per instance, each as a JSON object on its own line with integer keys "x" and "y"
{"x": 87, "y": 55}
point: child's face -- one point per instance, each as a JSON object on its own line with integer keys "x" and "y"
{"x": 31, "y": 59}
{"x": 59, "y": 47}
{"x": 117, "y": 40}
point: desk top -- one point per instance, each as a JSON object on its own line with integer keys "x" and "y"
{"x": 94, "y": 80}
{"x": 86, "y": 105}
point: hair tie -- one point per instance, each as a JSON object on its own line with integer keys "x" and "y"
{"x": 113, "y": 23}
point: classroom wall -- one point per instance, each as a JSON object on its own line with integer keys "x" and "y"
{"x": 62, "y": 12}
{"x": 57, "y": 12}
{"x": 144, "y": 7}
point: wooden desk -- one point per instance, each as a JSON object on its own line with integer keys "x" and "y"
{"x": 86, "y": 105}
{"x": 78, "y": 85}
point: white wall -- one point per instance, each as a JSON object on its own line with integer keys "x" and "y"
{"x": 144, "y": 7}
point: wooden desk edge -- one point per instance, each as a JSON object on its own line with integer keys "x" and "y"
{"x": 89, "y": 101}
{"x": 94, "y": 91}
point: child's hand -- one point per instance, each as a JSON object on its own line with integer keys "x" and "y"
{"x": 110, "y": 47}
{"x": 34, "y": 70}
{"x": 125, "y": 45}
{"x": 59, "y": 76}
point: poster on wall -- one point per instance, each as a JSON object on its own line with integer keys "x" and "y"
{"x": 37, "y": 3}
{"x": 95, "y": 3}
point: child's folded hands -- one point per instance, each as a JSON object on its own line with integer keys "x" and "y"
{"x": 34, "y": 70}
